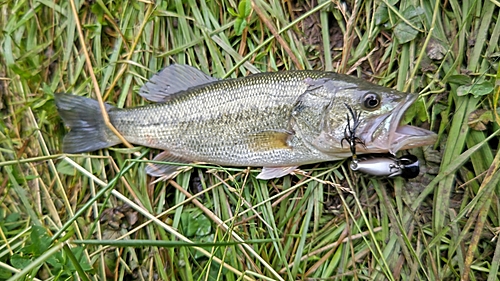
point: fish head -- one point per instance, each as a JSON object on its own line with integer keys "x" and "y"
{"x": 379, "y": 112}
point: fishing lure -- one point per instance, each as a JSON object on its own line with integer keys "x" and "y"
{"x": 384, "y": 165}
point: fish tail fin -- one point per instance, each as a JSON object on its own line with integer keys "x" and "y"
{"x": 88, "y": 130}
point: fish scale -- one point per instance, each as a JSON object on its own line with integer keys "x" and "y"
{"x": 229, "y": 112}
{"x": 277, "y": 120}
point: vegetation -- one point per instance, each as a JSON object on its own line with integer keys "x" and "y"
{"x": 97, "y": 216}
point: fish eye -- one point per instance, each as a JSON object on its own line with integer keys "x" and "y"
{"x": 371, "y": 101}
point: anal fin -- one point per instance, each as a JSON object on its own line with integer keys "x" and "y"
{"x": 165, "y": 170}
{"x": 275, "y": 172}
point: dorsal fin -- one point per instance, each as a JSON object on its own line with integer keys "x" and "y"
{"x": 171, "y": 80}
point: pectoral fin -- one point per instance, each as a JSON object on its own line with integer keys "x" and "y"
{"x": 275, "y": 172}
{"x": 165, "y": 170}
{"x": 269, "y": 140}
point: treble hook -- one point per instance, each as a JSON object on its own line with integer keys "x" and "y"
{"x": 350, "y": 133}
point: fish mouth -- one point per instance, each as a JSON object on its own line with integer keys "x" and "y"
{"x": 387, "y": 135}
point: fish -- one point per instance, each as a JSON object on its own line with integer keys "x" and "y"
{"x": 275, "y": 120}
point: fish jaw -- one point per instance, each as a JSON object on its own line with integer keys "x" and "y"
{"x": 385, "y": 134}
{"x": 406, "y": 137}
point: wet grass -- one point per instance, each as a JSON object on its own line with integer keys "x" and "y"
{"x": 98, "y": 216}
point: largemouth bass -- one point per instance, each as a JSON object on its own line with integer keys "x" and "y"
{"x": 278, "y": 120}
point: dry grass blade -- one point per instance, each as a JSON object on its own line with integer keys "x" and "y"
{"x": 276, "y": 35}
{"x": 94, "y": 79}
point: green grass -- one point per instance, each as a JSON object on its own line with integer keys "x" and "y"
{"x": 98, "y": 216}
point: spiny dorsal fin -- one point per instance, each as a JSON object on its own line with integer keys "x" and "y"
{"x": 171, "y": 80}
